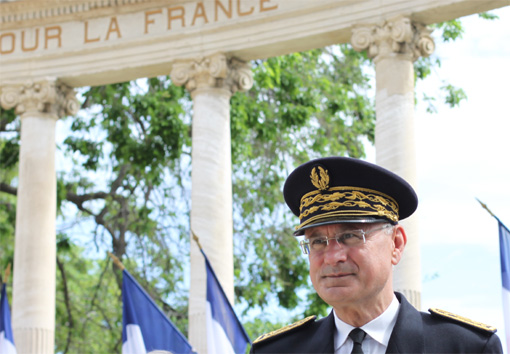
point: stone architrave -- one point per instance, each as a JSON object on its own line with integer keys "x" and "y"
{"x": 39, "y": 105}
{"x": 211, "y": 81}
{"x": 394, "y": 45}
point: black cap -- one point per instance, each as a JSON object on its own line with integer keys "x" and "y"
{"x": 333, "y": 190}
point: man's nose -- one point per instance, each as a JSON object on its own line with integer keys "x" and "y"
{"x": 335, "y": 252}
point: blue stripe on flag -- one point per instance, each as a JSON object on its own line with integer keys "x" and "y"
{"x": 504, "y": 249}
{"x": 5, "y": 319}
{"x": 222, "y": 311}
{"x": 157, "y": 331}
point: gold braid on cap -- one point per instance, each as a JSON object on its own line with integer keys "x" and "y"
{"x": 345, "y": 201}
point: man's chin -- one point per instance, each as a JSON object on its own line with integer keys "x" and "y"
{"x": 336, "y": 294}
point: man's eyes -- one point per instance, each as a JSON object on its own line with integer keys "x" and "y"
{"x": 340, "y": 238}
{"x": 318, "y": 241}
{"x": 347, "y": 236}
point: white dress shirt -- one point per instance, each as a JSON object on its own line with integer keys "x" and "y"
{"x": 378, "y": 332}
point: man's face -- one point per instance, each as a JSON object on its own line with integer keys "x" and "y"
{"x": 346, "y": 276}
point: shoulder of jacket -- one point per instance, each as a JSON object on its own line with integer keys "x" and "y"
{"x": 284, "y": 329}
{"x": 464, "y": 320}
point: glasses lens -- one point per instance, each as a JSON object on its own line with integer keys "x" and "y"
{"x": 350, "y": 238}
{"x": 318, "y": 244}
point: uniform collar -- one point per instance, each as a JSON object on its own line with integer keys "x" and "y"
{"x": 379, "y": 328}
{"x": 409, "y": 325}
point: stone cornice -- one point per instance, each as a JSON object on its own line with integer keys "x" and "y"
{"x": 40, "y": 97}
{"x": 31, "y": 13}
{"x": 396, "y": 37}
{"x": 215, "y": 71}
{"x": 26, "y": 12}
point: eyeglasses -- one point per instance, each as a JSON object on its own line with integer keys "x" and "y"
{"x": 351, "y": 238}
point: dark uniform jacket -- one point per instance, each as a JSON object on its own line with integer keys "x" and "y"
{"x": 414, "y": 332}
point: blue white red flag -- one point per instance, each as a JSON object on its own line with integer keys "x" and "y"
{"x": 145, "y": 328}
{"x": 504, "y": 248}
{"x": 6, "y": 337}
{"x": 225, "y": 334}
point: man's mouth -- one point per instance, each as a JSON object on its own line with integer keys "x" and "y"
{"x": 339, "y": 275}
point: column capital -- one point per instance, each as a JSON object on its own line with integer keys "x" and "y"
{"x": 215, "y": 71}
{"x": 40, "y": 97}
{"x": 399, "y": 37}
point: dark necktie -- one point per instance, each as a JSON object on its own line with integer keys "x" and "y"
{"x": 357, "y": 335}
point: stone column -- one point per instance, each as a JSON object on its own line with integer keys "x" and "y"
{"x": 39, "y": 105}
{"x": 394, "y": 45}
{"x": 211, "y": 82}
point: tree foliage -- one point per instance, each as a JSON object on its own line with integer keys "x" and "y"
{"x": 125, "y": 187}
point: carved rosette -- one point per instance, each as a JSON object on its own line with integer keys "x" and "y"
{"x": 396, "y": 37}
{"x": 215, "y": 71}
{"x": 36, "y": 97}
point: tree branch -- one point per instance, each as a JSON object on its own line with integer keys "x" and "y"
{"x": 68, "y": 304}
{"x": 118, "y": 181}
{"x": 4, "y": 187}
{"x": 96, "y": 290}
{"x": 79, "y": 199}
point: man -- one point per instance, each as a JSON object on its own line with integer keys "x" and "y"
{"x": 349, "y": 211}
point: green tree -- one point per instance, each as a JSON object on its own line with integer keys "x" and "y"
{"x": 9, "y": 150}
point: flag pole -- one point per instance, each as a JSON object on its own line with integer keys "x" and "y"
{"x": 7, "y": 274}
{"x": 486, "y": 208}
{"x": 116, "y": 261}
{"x": 195, "y": 237}
{"x": 504, "y": 249}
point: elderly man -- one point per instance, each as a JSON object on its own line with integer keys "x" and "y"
{"x": 349, "y": 211}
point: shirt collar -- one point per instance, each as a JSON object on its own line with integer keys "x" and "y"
{"x": 379, "y": 328}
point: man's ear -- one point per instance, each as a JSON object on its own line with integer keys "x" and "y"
{"x": 399, "y": 243}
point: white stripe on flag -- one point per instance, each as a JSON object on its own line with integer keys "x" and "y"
{"x": 217, "y": 340}
{"x": 6, "y": 347}
{"x": 134, "y": 342}
{"x": 506, "y": 314}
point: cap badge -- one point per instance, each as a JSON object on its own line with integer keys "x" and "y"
{"x": 321, "y": 179}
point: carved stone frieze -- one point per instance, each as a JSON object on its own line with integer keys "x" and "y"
{"x": 215, "y": 71}
{"x": 46, "y": 96}
{"x": 399, "y": 36}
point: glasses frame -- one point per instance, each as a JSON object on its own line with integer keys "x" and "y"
{"x": 305, "y": 244}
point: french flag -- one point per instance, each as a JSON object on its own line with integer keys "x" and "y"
{"x": 225, "y": 334}
{"x": 504, "y": 248}
{"x": 6, "y": 337}
{"x": 145, "y": 328}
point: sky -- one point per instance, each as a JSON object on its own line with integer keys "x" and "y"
{"x": 463, "y": 154}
